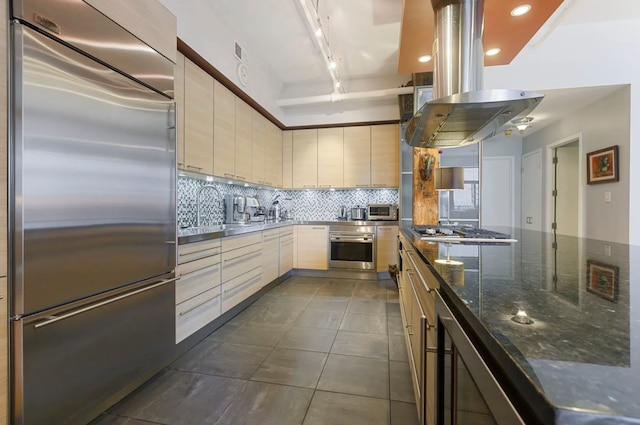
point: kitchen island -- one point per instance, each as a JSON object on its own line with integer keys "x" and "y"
{"x": 578, "y": 361}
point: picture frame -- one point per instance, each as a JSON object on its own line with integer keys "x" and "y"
{"x": 602, "y": 165}
{"x": 602, "y": 280}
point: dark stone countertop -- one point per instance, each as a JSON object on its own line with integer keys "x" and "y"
{"x": 579, "y": 362}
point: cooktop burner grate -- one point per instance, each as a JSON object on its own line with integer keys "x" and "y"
{"x": 467, "y": 232}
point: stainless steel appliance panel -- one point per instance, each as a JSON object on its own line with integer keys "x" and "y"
{"x": 87, "y": 29}
{"x": 76, "y": 367}
{"x": 94, "y": 176}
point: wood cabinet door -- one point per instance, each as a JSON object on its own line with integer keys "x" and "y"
{"x": 273, "y": 156}
{"x": 385, "y": 140}
{"x": 386, "y": 247}
{"x": 244, "y": 122}
{"x": 198, "y": 119}
{"x": 178, "y": 75}
{"x": 313, "y": 247}
{"x": 287, "y": 159}
{"x": 224, "y": 132}
{"x": 305, "y": 158}
{"x": 357, "y": 156}
{"x": 258, "y": 147}
{"x": 330, "y": 157}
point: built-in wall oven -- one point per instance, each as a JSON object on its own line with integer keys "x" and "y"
{"x": 352, "y": 247}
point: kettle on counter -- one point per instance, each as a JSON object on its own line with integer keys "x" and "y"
{"x": 343, "y": 212}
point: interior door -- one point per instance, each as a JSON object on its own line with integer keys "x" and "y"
{"x": 567, "y": 189}
{"x": 532, "y": 191}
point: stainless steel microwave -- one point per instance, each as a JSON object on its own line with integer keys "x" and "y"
{"x": 382, "y": 212}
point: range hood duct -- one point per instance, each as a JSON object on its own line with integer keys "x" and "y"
{"x": 461, "y": 112}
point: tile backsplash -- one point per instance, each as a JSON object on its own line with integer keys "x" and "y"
{"x": 305, "y": 204}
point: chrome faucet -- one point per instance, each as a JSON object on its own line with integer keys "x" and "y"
{"x": 198, "y": 203}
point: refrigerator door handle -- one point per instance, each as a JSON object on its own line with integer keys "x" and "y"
{"x": 52, "y": 319}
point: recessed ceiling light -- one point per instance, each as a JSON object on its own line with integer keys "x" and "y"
{"x": 338, "y": 84}
{"x": 425, "y": 58}
{"x": 521, "y": 10}
{"x": 493, "y": 52}
{"x": 318, "y": 32}
{"x": 333, "y": 65}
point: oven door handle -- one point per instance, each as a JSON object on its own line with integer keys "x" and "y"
{"x": 345, "y": 238}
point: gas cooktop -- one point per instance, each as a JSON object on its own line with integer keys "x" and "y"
{"x": 460, "y": 234}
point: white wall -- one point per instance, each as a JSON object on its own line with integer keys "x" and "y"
{"x": 601, "y": 124}
{"x": 579, "y": 52}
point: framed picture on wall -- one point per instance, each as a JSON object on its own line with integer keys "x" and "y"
{"x": 602, "y": 165}
{"x": 602, "y": 280}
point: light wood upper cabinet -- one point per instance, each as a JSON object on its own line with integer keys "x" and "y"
{"x": 357, "y": 160}
{"x": 287, "y": 159}
{"x": 178, "y": 73}
{"x": 198, "y": 119}
{"x": 224, "y": 132}
{"x": 273, "y": 172}
{"x": 330, "y": 157}
{"x": 305, "y": 158}
{"x": 384, "y": 155}
{"x": 258, "y": 147}
{"x": 243, "y": 146}
{"x": 148, "y": 20}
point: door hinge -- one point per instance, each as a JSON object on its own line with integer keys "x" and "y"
{"x": 554, "y": 193}
{"x": 554, "y": 246}
{"x": 555, "y": 159}
{"x": 554, "y": 226}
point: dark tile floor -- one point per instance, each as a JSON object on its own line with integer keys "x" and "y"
{"x": 312, "y": 351}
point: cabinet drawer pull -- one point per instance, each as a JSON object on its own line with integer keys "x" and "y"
{"x": 318, "y": 228}
{"x": 199, "y": 251}
{"x": 309, "y": 185}
{"x": 182, "y": 313}
{"x": 271, "y": 238}
{"x": 379, "y": 185}
{"x": 194, "y": 167}
{"x": 235, "y": 260}
{"x": 324, "y": 185}
{"x": 229, "y": 175}
{"x": 252, "y": 280}
{"x": 363, "y": 185}
{"x": 410, "y": 273}
{"x": 241, "y": 177}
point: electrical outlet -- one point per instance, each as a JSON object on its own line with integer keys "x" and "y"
{"x": 607, "y": 250}
{"x": 607, "y": 197}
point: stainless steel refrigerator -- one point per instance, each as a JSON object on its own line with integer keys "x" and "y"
{"x": 92, "y": 212}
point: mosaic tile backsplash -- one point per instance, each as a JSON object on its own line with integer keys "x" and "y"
{"x": 305, "y": 204}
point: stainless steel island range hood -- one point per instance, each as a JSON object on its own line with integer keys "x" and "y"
{"x": 461, "y": 112}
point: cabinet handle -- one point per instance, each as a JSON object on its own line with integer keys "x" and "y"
{"x": 255, "y": 278}
{"x": 229, "y": 175}
{"x": 363, "y": 185}
{"x": 317, "y": 228}
{"x": 309, "y": 185}
{"x": 325, "y": 185}
{"x": 182, "y": 313}
{"x": 410, "y": 273}
{"x": 241, "y": 177}
{"x": 379, "y": 185}
{"x": 240, "y": 258}
{"x": 270, "y": 238}
{"x": 199, "y": 251}
{"x": 194, "y": 167}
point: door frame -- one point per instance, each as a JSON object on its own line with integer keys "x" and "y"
{"x": 548, "y": 181}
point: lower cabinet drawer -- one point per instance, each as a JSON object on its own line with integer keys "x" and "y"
{"x": 193, "y": 251}
{"x": 195, "y": 283}
{"x": 237, "y": 290}
{"x": 238, "y": 261}
{"x": 197, "y": 312}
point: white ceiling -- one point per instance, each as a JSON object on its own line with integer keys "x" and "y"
{"x": 364, "y": 37}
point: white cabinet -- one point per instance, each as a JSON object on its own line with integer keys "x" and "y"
{"x": 386, "y": 247}
{"x": 312, "y": 244}
{"x": 198, "y": 286}
{"x": 270, "y": 255}
{"x": 286, "y": 250}
{"x": 241, "y": 268}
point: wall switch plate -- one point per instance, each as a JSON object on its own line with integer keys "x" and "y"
{"x": 607, "y": 250}
{"x": 607, "y": 197}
